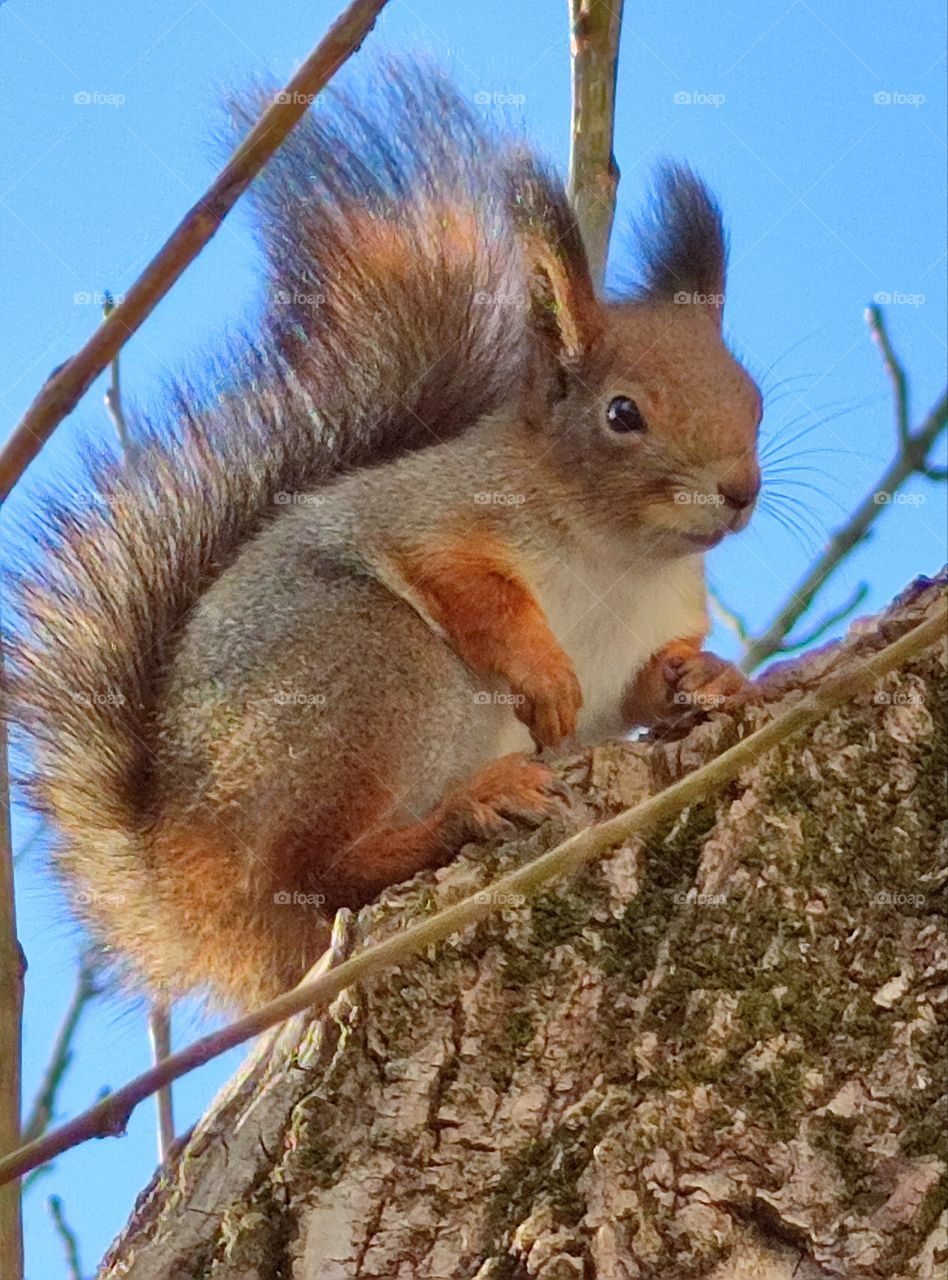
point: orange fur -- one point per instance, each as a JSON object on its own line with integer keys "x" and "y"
{"x": 277, "y": 906}
{"x": 512, "y": 787}
{"x": 471, "y": 588}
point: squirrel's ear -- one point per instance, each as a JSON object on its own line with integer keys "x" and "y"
{"x": 562, "y": 296}
{"x": 681, "y": 243}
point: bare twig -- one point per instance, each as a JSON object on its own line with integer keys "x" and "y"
{"x": 593, "y": 173}
{"x": 44, "y": 1104}
{"x": 159, "y": 1031}
{"x": 28, "y": 843}
{"x": 110, "y": 1116}
{"x": 67, "y": 1236}
{"x": 895, "y": 370}
{"x": 62, "y": 391}
{"x": 12, "y": 967}
{"x": 822, "y": 628}
{"x": 911, "y": 459}
{"x": 113, "y": 394}
{"x": 731, "y": 619}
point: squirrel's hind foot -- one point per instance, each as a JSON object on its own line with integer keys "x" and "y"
{"x": 506, "y": 791}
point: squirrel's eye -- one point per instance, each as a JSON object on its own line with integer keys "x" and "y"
{"x": 623, "y": 415}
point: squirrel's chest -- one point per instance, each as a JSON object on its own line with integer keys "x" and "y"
{"x": 611, "y": 620}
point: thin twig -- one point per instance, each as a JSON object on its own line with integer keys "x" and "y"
{"x": 110, "y": 1116}
{"x": 12, "y": 967}
{"x": 729, "y": 616}
{"x": 28, "y": 843}
{"x": 595, "y": 26}
{"x": 63, "y": 389}
{"x": 895, "y": 370}
{"x": 827, "y": 624}
{"x": 67, "y": 1236}
{"x": 159, "y": 1032}
{"x": 113, "y": 394}
{"x": 44, "y": 1104}
{"x": 911, "y": 459}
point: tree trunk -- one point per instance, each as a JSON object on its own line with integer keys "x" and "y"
{"x": 717, "y": 1054}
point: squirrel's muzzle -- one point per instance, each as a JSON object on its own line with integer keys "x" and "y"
{"x": 738, "y": 488}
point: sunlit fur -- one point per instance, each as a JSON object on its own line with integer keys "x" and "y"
{"x": 429, "y": 312}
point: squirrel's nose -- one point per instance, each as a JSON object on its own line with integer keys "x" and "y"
{"x": 739, "y": 489}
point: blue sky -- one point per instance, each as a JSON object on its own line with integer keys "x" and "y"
{"x": 820, "y": 126}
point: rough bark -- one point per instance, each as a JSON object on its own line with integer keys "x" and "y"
{"x": 717, "y": 1055}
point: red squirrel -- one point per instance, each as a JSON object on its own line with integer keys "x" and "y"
{"x": 451, "y": 507}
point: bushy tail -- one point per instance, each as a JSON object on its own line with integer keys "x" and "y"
{"x": 393, "y": 261}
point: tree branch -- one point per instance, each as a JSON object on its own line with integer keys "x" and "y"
{"x": 910, "y": 459}
{"x": 113, "y": 394}
{"x": 109, "y": 1117}
{"x": 159, "y": 1031}
{"x": 44, "y": 1104}
{"x": 593, "y": 174}
{"x": 62, "y": 391}
{"x": 895, "y": 370}
{"x": 67, "y": 1236}
{"x": 821, "y": 628}
{"x": 730, "y": 617}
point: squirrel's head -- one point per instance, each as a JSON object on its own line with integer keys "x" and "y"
{"x": 646, "y": 410}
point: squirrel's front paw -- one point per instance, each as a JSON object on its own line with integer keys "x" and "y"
{"x": 549, "y": 699}
{"x": 704, "y": 682}
{"x": 681, "y": 682}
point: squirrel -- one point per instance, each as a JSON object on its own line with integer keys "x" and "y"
{"x": 449, "y": 506}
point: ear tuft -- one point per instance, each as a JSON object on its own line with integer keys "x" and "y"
{"x": 563, "y": 298}
{"x": 681, "y": 241}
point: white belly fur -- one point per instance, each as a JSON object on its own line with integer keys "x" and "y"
{"x": 610, "y": 621}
